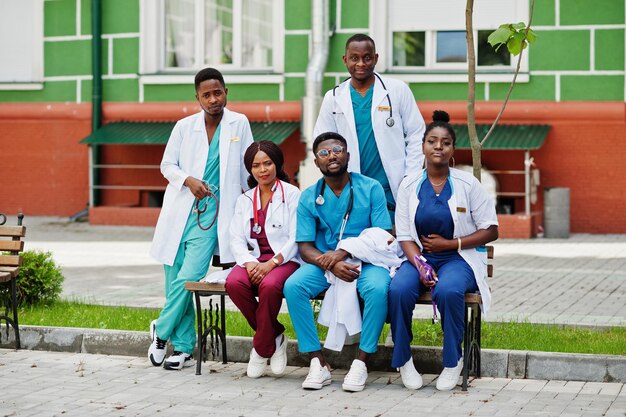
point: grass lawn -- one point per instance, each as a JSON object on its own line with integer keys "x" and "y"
{"x": 516, "y": 336}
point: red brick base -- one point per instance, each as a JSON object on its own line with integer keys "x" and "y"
{"x": 124, "y": 216}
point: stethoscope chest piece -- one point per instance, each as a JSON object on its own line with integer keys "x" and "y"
{"x": 320, "y": 200}
{"x": 256, "y": 228}
{"x": 390, "y": 122}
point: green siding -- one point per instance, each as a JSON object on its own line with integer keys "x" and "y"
{"x": 540, "y": 87}
{"x": 327, "y": 84}
{"x": 551, "y": 50}
{"x": 354, "y": 14}
{"x": 171, "y": 92}
{"x": 337, "y": 50}
{"x": 253, "y": 92}
{"x": 610, "y": 49}
{"x": 118, "y": 16}
{"x": 71, "y": 57}
{"x": 591, "y": 12}
{"x": 296, "y": 53}
{"x": 294, "y": 88}
{"x": 52, "y": 91}
{"x": 85, "y": 91}
{"x": 445, "y": 91}
{"x": 592, "y": 87}
{"x": 120, "y": 90}
{"x": 298, "y": 15}
{"x": 543, "y": 13}
{"x": 59, "y": 18}
{"x": 125, "y": 56}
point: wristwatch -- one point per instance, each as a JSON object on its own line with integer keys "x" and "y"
{"x": 276, "y": 261}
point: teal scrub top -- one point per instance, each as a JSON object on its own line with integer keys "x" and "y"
{"x": 211, "y": 176}
{"x": 371, "y": 164}
{"x": 321, "y": 223}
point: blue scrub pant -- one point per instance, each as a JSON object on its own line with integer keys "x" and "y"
{"x": 176, "y": 321}
{"x": 308, "y": 281}
{"x": 455, "y": 279}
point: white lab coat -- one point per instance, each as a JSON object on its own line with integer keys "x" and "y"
{"x": 400, "y": 146}
{"x": 471, "y": 208}
{"x": 280, "y": 225}
{"x": 186, "y": 155}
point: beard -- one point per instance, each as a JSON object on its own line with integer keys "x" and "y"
{"x": 342, "y": 170}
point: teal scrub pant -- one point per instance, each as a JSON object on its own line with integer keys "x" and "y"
{"x": 176, "y": 321}
{"x": 308, "y": 281}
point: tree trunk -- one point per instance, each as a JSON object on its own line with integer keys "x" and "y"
{"x": 471, "y": 90}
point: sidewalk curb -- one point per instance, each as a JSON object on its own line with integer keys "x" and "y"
{"x": 495, "y": 363}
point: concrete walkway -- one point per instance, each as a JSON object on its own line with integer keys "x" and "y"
{"x": 581, "y": 280}
{"x": 36, "y": 383}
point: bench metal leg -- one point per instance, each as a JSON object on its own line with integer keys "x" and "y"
{"x": 200, "y": 333}
{"x": 16, "y": 326}
{"x": 223, "y": 324}
{"x": 466, "y": 348}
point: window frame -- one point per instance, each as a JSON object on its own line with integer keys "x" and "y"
{"x": 152, "y": 42}
{"x": 382, "y": 31}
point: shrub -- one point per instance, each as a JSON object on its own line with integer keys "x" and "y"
{"x": 40, "y": 279}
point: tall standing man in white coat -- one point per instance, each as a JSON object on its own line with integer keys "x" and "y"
{"x": 378, "y": 117}
{"x": 203, "y": 163}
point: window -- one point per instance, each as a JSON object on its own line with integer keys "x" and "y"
{"x": 21, "y": 29}
{"x": 419, "y": 39}
{"x": 229, "y": 34}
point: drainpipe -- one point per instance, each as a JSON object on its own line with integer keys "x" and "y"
{"x": 312, "y": 100}
{"x": 96, "y": 96}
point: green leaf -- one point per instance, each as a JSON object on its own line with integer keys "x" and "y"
{"x": 515, "y": 43}
{"x": 519, "y": 26}
{"x": 531, "y": 36}
{"x": 499, "y": 36}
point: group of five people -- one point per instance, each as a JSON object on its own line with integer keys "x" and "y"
{"x": 379, "y": 164}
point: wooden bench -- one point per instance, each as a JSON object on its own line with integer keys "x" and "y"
{"x": 11, "y": 242}
{"x": 208, "y": 325}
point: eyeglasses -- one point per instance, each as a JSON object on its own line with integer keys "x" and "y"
{"x": 325, "y": 153}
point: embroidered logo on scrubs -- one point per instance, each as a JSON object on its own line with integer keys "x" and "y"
{"x": 461, "y": 209}
{"x": 234, "y": 139}
{"x": 384, "y": 108}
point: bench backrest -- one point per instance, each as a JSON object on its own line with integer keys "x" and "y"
{"x": 11, "y": 242}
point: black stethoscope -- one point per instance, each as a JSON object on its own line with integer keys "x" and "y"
{"x": 320, "y": 201}
{"x": 256, "y": 228}
{"x": 390, "y": 122}
{"x": 211, "y": 193}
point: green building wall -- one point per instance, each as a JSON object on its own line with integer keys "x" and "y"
{"x": 579, "y": 55}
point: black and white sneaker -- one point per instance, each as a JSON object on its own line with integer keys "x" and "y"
{"x": 156, "y": 352}
{"x": 178, "y": 360}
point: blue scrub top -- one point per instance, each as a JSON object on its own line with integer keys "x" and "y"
{"x": 371, "y": 164}
{"x": 321, "y": 223}
{"x": 433, "y": 215}
{"x": 211, "y": 176}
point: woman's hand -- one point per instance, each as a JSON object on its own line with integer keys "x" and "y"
{"x": 259, "y": 271}
{"x": 197, "y": 187}
{"x": 437, "y": 243}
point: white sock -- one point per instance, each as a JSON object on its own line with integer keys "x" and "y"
{"x": 279, "y": 341}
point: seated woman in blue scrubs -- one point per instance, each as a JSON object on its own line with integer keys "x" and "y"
{"x": 446, "y": 216}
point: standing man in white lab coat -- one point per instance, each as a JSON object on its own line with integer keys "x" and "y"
{"x": 378, "y": 117}
{"x": 203, "y": 163}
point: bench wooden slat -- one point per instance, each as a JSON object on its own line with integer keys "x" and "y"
{"x": 11, "y": 270}
{"x": 10, "y": 260}
{"x": 490, "y": 270}
{"x": 11, "y": 245}
{"x": 13, "y": 231}
{"x": 5, "y": 277}
{"x": 490, "y": 252}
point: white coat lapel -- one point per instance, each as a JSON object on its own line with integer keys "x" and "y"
{"x": 277, "y": 200}
{"x": 344, "y": 102}
{"x": 202, "y": 146}
{"x": 226, "y": 135}
{"x": 378, "y": 99}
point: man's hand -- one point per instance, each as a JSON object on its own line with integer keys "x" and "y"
{"x": 328, "y": 260}
{"x": 345, "y": 271}
{"x": 197, "y": 187}
{"x": 437, "y": 243}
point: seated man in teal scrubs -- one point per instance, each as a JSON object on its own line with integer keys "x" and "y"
{"x": 340, "y": 205}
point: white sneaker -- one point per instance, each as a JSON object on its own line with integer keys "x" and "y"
{"x": 178, "y": 360}
{"x": 318, "y": 377}
{"x": 256, "y": 365}
{"x": 410, "y": 377}
{"x": 278, "y": 361}
{"x": 156, "y": 351}
{"x": 356, "y": 377}
{"x": 449, "y": 377}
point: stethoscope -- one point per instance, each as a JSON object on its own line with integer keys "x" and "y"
{"x": 212, "y": 193}
{"x": 390, "y": 122}
{"x": 256, "y": 228}
{"x": 320, "y": 200}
